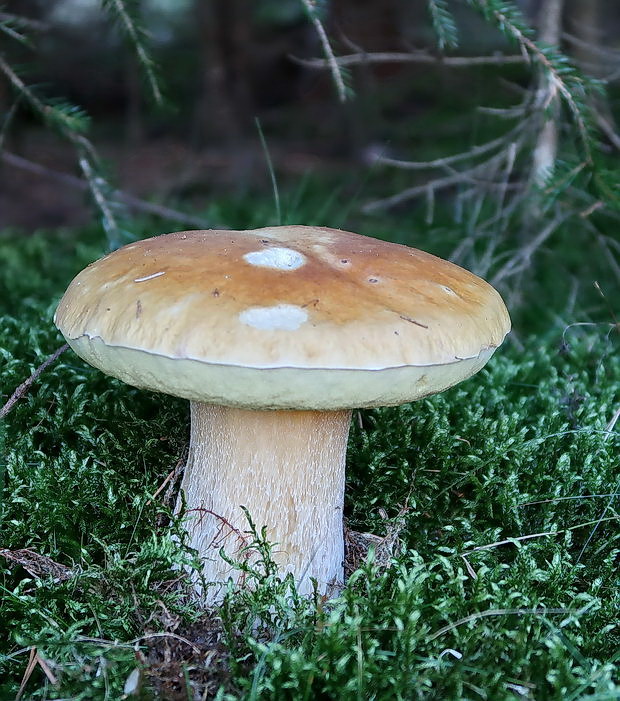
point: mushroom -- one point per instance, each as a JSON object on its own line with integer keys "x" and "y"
{"x": 275, "y": 335}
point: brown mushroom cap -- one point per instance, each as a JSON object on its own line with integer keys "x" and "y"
{"x": 282, "y": 317}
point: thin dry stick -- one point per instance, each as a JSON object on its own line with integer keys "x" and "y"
{"x": 604, "y": 52}
{"x": 25, "y": 386}
{"x": 151, "y": 636}
{"x": 608, "y": 429}
{"x": 522, "y": 258}
{"x": 32, "y": 663}
{"x": 34, "y": 660}
{"x": 473, "y": 152}
{"x": 410, "y": 57}
{"x": 330, "y": 60}
{"x": 46, "y": 669}
{"x": 509, "y": 541}
{"x": 458, "y": 177}
{"x": 172, "y": 475}
{"x": 512, "y": 541}
{"x": 608, "y": 130}
{"x": 610, "y": 426}
{"x": 576, "y": 496}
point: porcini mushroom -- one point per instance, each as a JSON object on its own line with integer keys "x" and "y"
{"x": 275, "y": 335}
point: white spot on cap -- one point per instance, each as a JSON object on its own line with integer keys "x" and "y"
{"x": 281, "y": 317}
{"x": 278, "y": 258}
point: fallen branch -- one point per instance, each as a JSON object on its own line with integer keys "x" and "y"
{"x": 38, "y": 566}
{"x": 25, "y": 386}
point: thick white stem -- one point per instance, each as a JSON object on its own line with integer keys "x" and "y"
{"x": 287, "y": 469}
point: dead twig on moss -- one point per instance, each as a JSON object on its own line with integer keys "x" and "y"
{"x": 38, "y": 566}
{"x": 25, "y": 386}
{"x": 34, "y": 660}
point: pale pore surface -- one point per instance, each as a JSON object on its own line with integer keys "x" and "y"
{"x": 287, "y": 468}
{"x": 275, "y": 388}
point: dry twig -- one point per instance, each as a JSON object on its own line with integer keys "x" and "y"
{"x": 331, "y": 61}
{"x": 362, "y": 58}
{"x": 38, "y": 566}
{"x": 25, "y": 386}
{"x": 34, "y": 660}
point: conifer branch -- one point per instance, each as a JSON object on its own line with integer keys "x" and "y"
{"x": 118, "y": 8}
{"x": 335, "y": 67}
{"x": 71, "y": 122}
{"x": 443, "y": 24}
{"x": 562, "y": 76}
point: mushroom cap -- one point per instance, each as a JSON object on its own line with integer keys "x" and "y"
{"x": 288, "y": 317}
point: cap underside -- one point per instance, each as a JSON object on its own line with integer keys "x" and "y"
{"x": 275, "y": 388}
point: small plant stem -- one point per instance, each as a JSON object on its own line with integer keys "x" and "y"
{"x": 272, "y": 174}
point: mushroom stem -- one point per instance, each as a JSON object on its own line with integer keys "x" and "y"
{"x": 287, "y": 468}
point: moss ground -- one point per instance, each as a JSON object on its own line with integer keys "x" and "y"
{"x": 503, "y": 493}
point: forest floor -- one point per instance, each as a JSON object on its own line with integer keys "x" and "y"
{"x": 499, "y": 498}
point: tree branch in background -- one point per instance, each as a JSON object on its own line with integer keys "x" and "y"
{"x": 71, "y": 122}
{"x": 118, "y": 8}
{"x": 131, "y": 201}
{"x": 331, "y": 61}
{"x": 473, "y": 152}
{"x": 475, "y": 174}
{"x": 546, "y": 148}
{"x": 444, "y": 24}
{"x": 362, "y": 58}
{"x": 521, "y": 260}
{"x": 23, "y": 22}
{"x": 560, "y": 73}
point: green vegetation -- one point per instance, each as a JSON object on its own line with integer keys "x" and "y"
{"x": 500, "y": 496}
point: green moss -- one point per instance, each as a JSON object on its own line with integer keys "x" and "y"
{"x": 519, "y": 453}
